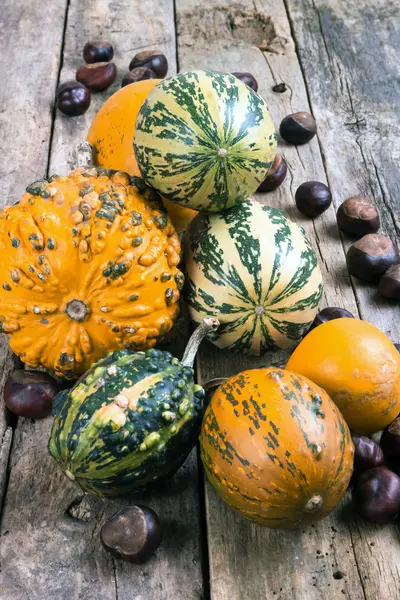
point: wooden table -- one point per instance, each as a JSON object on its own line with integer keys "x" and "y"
{"x": 339, "y": 59}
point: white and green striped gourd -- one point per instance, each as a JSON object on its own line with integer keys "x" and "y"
{"x": 204, "y": 140}
{"x": 256, "y": 271}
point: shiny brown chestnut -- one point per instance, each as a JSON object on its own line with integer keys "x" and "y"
{"x": 328, "y": 314}
{"x": 97, "y": 52}
{"x": 132, "y": 534}
{"x": 97, "y": 76}
{"x": 30, "y": 393}
{"x": 276, "y": 175}
{"x": 367, "y": 453}
{"x": 390, "y": 440}
{"x": 248, "y": 79}
{"x": 357, "y": 216}
{"x": 152, "y": 59}
{"x": 371, "y": 256}
{"x": 389, "y": 285}
{"x": 298, "y": 128}
{"x": 138, "y": 74}
{"x": 313, "y": 198}
{"x": 73, "y": 98}
{"x": 376, "y": 495}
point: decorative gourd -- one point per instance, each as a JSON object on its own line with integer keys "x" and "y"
{"x": 276, "y": 448}
{"x": 358, "y": 366}
{"x": 130, "y": 421}
{"x": 89, "y": 265}
{"x": 257, "y": 272}
{"x": 111, "y": 135}
{"x": 204, "y": 140}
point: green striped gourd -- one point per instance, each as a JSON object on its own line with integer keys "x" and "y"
{"x": 256, "y": 270}
{"x": 130, "y": 421}
{"x": 204, "y": 140}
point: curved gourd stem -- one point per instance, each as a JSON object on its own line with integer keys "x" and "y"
{"x": 208, "y": 325}
{"x": 84, "y": 155}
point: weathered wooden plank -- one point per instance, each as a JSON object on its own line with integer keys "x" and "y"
{"x": 52, "y": 547}
{"x": 349, "y": 54}
{"x": 25, "y": 124}
{"x": 247, "y": 561}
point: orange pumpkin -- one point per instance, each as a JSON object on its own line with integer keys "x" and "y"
{"x": 89, "y": 265}
{"x": 358, "y": 366}
{"x": 276, "y": 448}
{"x": 111, "y": 134}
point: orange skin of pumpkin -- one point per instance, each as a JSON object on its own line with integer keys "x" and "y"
{"x": 276, "y": 448}
{"x": 57, "y": 249}
{"x": 111, "y": 134}
{"x": 358, "y": 366}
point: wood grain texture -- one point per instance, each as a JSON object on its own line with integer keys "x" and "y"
{"x": 245, "y": 560}
{"x": 26, "y": 93}
{"x": 50, "y": 531}
{"x": 349, "y": 55}
{"x": 30, "y": 46}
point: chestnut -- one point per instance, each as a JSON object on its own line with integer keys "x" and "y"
{"x": 376, "y": 495}
{"x": 132, "y": 534}
{"x": 357, "y": 216}
{"x": 138, "y": 74}
{"x": 97, "y": 76}
{"x": 390, "y": 440}
{"x": 30, "y": 393}
{"x": 248, "y": 79}
{"x": 313, "y": 198}
{"x": 298, "y": 128}
{"x": 97, "y": 52}
{"x": 371, "y": 256}
{"x": 389, "y": 285}
{"x": 152, "y": 59}
{"x": 367, "y": 453}
{"x": 328, "y": 314}
{"x": 73, "y": 98}
{"x": 275, "y": 176}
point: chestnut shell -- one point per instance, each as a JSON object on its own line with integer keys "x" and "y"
{"x": 371, "y": 256}
{"x": 132, "y": 534}
{"x": 357, "y": 216}
{"x": 248, "y": 79}
{"x": 151, "y": 59}
{"x": 138, "y": 74}
{"x": 73, "y": 98}
{"x": 313, "y": 198}
{"x": 376, "y": 495}
{"x": 30, "y": 393}
{"x": 329, "y": 314}
{"x": 97, "y": 76}
{"x": 389, "y": 285}
{"x": 94, "y": 52}
{"x": 276, "y": 175}
{"x": 298, "y": 128}
{"x": 390, "y": 440}
{"x": 367, "y": 453}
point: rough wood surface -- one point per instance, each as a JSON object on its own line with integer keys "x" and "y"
{"x": 246, "y": 561}
{"x": 25, "y": 124}
{"x": 50, "y": 532}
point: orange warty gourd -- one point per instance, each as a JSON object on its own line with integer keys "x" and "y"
{"x": 359, "y": 368}
{"x": 88, "y": 265}
{"x": 111, "y": 135}
{"x": 276, "y": 448}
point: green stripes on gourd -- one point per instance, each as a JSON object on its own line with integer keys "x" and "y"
{"x": 130, "y": 421}
{"x": 257, "y": 272}
{"x": 204, "y": 140}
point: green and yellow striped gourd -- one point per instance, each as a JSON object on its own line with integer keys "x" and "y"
{"x": 130, "y": 421}
{"x": 256, "y": 270}
{"x": 204, "y": 140}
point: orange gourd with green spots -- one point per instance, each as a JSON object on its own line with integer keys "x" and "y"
{"x": 276, "y": 448}
{"x": 88, "y": 265}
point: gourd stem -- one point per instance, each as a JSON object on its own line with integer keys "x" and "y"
{"x": 314, "y": 504}
{"x": 207, "y": 325}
